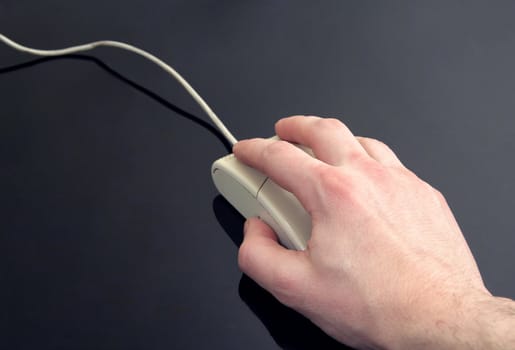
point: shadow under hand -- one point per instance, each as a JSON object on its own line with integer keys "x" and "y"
{"x": 289, "y": 329}
{"x": 129, "y": 82}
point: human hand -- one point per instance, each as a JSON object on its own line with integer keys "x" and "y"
{"x": 386, "y": 265}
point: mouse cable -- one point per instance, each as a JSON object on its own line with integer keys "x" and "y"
{"x": 90, "y": 46}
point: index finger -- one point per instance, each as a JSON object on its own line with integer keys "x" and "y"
{"x": 287, "y": 165}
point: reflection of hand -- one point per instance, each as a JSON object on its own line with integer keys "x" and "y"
{"x": 386, "y": 265}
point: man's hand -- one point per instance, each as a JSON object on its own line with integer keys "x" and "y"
{"x": 387, "y": 265}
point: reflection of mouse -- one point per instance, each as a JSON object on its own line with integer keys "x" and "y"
{"x": 253, "y": 194}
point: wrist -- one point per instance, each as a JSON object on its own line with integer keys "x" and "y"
{"x": 481, "y": 321}
{"x": 498, "y": 324}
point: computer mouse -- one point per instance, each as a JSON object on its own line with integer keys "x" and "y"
{"x": 254, "y": 194}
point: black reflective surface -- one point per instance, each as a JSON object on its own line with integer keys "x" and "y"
{"x": 112, "y": 234}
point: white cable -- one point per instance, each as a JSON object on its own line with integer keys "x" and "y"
{"x": 148, "y": 56}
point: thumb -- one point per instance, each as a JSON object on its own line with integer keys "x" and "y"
{"x": 281, "y": 271}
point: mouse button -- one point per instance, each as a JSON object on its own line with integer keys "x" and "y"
{"x": 237, "y": 195}
{"x": 246, "y": 176}
{"x": 287, "y": 211}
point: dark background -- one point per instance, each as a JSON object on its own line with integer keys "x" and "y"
{"x": 108, "y": 224}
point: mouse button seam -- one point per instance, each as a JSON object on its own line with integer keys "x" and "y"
{"x": 261, "y": 187}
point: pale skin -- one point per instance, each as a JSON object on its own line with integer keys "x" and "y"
{"x": 387, "y": 266}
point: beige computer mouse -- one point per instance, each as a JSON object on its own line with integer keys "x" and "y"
{"x": 254, "y": 194}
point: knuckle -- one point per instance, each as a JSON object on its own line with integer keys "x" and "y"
{"x": 319, "y": 170}
{"x": 439, "y": 196}
{"x": 330, "y": 123}
{"x": 330, "y": 179}
{"x": 275, "y": 148}
{"x": 380, "y": 145}
{"x": 274, "y": 152}
{"x": 334, "y": 184}
{"x": 375, "y": 171}
{"x": 375, "y": 141}
{"x": 355, "y": 157}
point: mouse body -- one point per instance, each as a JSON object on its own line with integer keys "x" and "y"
{"x": 254, "y": 194}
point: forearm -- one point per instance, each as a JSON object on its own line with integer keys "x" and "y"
{"x": 489, "y": 323}
{"x": 499, "y": 324}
